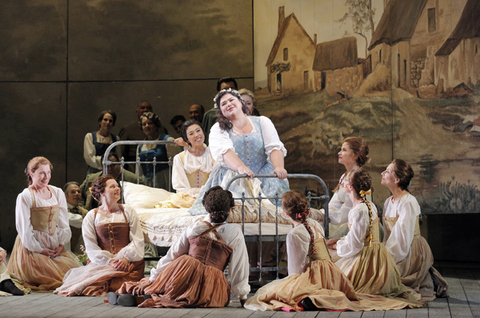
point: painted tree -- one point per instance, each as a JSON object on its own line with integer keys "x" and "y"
{"x": 361, "y": 13}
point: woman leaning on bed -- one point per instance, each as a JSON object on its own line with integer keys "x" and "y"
{"x": 114, "y": 244}
{"x": 244, "y": 144}
{"x": 191, "y": 274}
{"x": 192, "y": 167}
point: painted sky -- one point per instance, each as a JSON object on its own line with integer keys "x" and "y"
{"x": 316, "y": 16}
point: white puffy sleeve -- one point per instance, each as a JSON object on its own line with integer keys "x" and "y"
{"x": 352, "y": 243}
{"x": 270, "y": 136}
{"x": 135, "y": 250}
{"x": 89, "y": 152}
{"x": 23, "y": 223}
{"x": 238, "y": 268}
{"x": 401, "y": 237}
{"x": 179, "y": 177}
{"x": 219, "y": 142}
{"x": 339, "y": 206}
{"x": 297, "y": 250}
{"x": 64, "y": 233}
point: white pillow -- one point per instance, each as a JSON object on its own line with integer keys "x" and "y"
{"x": 141, "y": 196}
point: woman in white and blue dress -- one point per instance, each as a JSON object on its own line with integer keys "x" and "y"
{"x": 244, "y": 144}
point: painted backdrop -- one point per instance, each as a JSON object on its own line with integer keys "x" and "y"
{"x": 404, "y": 75}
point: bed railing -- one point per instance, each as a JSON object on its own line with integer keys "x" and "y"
{"x": 137, "y": 162}
{"x": 276, "y": 238}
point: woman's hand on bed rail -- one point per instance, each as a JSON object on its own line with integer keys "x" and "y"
{"x": 281, "y": 172}
{"x": 245, "y": 170}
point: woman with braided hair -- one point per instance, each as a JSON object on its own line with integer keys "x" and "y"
{"x": 402, "y": 239}
{"x": 314, "y": 281}
{"x": 191, "y": 274}
{"x": 363, "y": 258}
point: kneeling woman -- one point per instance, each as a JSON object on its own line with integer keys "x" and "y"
{"x": 38, "y": 257}
{"x": 314, "y": 281}
{"x": 364, "y": 260}
{"x": 191, "y": 274}
{"x": 114, "y": 244}
{"x": 403, "y": 240}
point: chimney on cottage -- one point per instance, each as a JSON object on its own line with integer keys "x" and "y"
{"x": 281, "y": 17}
{"x": 315, "y": 39}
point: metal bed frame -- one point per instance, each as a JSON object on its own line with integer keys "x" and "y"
{"x": 249, "y": 238}
{"x": 277, "y": 237}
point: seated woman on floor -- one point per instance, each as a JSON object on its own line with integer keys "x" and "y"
{"x": 192, "y": 167}
{"x": 244, "y": 144}
{"x": 191, "y": 274}
{"x": 39, "y": 258}
{"x": 314, "y": 281}
{"x": 402, "y": 239}
{"x": 363, "y": 258}
{"x": 113, "y": 242}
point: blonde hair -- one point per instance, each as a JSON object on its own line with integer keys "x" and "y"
{"x": 33, "y": 165}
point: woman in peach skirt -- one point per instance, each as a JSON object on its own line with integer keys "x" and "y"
{"x": 314, "y": 281}
{"x": 114, "y": 244}
{"x": 196, "y": 279}
{"x": 38, "y": 257}
{"x": 402, "y": 238}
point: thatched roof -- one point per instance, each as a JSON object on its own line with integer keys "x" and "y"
{"x": 288, "y": 20}
{"x": 398, "y": 22}
{"x": 468, "y": 26}
{"x": 336, "y": 54}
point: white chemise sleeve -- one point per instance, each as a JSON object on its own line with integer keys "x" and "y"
{"x": 270, "y": 136}
{"x": 353, "y": 242}
{"x": 400, "y": 239}
{"x": 89, "y": 152}
{"x": 219, "y": 142}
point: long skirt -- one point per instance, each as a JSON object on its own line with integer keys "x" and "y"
{"x": 416, "y": 270}
{"x": 98, "y": 280}
{"x": 185, "y": 282}
{"x": 37, "y": 271}
{"x": 326, "y": 286}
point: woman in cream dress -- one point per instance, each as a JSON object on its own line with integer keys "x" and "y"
{"x": 402, "y": 238}
{"x": 314, "y": 281}
{"x": 39, "y": 258}
{"x": 192, "y": 167}
{"x": 363, "y": 258}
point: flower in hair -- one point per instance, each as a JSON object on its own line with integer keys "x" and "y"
{"x": 229, "y": 90}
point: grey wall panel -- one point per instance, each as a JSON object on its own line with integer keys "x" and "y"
{"x": 151, "y": 39}
{"x": 33, "y": 40}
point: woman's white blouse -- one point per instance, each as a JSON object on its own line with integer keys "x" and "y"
{"x": 400, "y": 239}
{"x": 189, "y": 165}
{"x": 298, "y": 245}
{"x": 339, "y": 206}
{"x": 232, "y": 235}
{"x": 220, "y": 142}
{"x": 89, "y": 152}
{"x": 358, "y": 220}
{"x": 36, "y": 241}
{"x": 134, "y": 251}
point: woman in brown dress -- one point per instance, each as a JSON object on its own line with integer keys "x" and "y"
{"x": 191, "y": 274}
{"x": 114, "y": 244}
